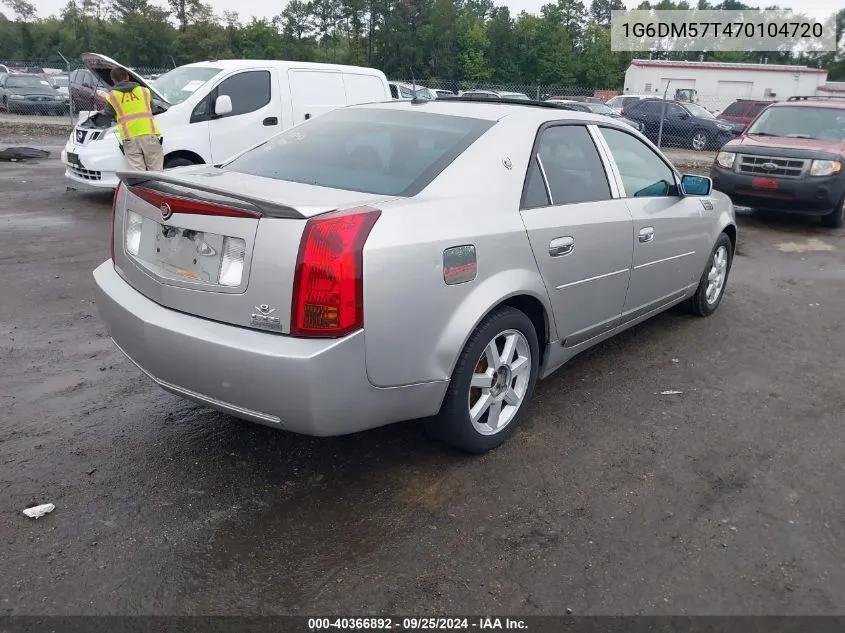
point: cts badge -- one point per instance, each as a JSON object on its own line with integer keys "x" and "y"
{"x": 263, "y": 318}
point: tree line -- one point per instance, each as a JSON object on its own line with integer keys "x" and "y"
{"x": 470, "y": 41}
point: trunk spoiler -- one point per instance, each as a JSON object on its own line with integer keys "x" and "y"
{"x": 187, "y": 188}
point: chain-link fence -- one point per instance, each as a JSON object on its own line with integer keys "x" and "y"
{"x": 55, "y": 90}
{"x": 699, "y": 122}
{"x": 58, "y": 91}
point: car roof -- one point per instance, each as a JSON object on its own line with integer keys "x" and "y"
{"x": 533, "y": 112}
{"x": 236, "y": 64}
{"x": 812, "y": 103}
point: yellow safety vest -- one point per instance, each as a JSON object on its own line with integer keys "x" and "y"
{"x": 134, "y": 112}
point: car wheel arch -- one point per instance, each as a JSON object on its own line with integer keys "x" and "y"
{"x": 526, "y": 292}
{"x": 195, "y": 158}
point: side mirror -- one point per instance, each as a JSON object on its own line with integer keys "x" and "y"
{"x": 696, "y": 185}
{"x": 223, "y": 105}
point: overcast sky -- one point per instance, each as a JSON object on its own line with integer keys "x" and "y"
{"x": 264, "y": 9}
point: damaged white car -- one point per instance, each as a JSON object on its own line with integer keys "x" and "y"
{"x": 209, "y": 111}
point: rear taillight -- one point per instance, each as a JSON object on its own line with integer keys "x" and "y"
{"x": 113, "y": 213}
{"x": 176, "y": 204}
{"x": 328, "y": 287}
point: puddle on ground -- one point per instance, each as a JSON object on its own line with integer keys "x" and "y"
{"x": 812, "y": 244}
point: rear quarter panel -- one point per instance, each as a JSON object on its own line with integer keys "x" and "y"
{"x": 416, "y": 325}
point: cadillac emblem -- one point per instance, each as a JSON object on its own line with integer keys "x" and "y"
{"x": 166, "y": 211}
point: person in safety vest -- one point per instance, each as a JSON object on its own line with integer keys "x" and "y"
{"x": 136, "y": 126}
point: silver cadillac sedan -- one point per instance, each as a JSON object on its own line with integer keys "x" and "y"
{"x": 406, "y": 260}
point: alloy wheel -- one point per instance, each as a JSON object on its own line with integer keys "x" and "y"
{"x": 499, "y": 382}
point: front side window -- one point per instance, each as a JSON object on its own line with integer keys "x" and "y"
{"x": 371, "y": 150}
{"x": 249, "y": 91}
{"x": 644, "y": 174}
{"x": 572, "y": 166}
{"x": 698, "y": 111}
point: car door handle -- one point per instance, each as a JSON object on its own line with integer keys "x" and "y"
{"x": 561, "y": 246}
{"x": 646, "y": 234}
{"x": 271, "y": 120}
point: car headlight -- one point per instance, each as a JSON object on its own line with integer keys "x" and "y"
{"x": 58, "y": 98}
{"x": 722, "y": 126}
{"x": 825, "y": 167}
{"x": 16, "y": 97}
{"x": 725, "y": 160}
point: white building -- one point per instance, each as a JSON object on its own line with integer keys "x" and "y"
{"x": 720, "y": 83}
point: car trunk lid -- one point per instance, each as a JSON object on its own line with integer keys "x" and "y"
{"x": 216, "y": 244}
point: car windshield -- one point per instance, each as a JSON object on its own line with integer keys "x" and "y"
{"x": 180, "y": 83}
{"x": 371, "y": 150}
{"x": 515, "y": 95}
{"x": 801, "y": 122}
{"x": 697, "y": 110}
{"x": 600, "y": 108}
{"x": 20, "y": 81}
{"x": 60, "y": 82}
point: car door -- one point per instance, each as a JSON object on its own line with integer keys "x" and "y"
{"x": 255, "y": 115}
{"x": 669, "y": 230}
{"x": 580, "y": 231}
{"x": 676, "y": 124}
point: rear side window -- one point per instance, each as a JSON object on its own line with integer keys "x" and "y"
{"x": 735, "y": 109}
{"x": 371, "y": 150}
{"x": 249, "y": 91}
{"x": 572, "y": 165}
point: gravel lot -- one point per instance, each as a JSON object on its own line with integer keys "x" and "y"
{"x": 723, "y": 499}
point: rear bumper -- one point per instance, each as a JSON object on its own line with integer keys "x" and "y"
{"x": 805, "y": 196}
{"x": 314, "y": 387}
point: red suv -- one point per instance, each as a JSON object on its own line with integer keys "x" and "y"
{"x": 743, "y": 110}
{"x": 790, "y": 158}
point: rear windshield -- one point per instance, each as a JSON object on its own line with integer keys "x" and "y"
{"x": 371, "y": 150}
{"x": 801, "y": 122}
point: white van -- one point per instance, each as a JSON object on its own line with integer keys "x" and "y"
{"x": 210, "y": 111}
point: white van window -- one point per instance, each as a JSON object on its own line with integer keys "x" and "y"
{"x": 180, "y": 83}
{"x": 250, "y": 91}
{"x": 363, "y": 88}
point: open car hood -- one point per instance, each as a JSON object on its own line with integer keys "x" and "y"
{"x": 101, "y": 66}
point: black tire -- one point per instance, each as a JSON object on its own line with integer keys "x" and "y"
{"x": 836, "y": 218}
{"x": 178, "y": 161}
{"x": 698, "y": 303}
{"x": 5, "y": 106}
{"x": 453, "y": 424}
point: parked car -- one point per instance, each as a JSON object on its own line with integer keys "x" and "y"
{"x": 87, "y": 90}
{"x": 619, "y": 102}
{"x": 493, "y": 94}
{"x": 743, "y": 111}
{"x": 685, "y": 124}
{"x": 598, "y": 108}
{"x": 62, "y": 85}
{"x": 400, "y": 90}
{"x": 790, "y": 158}
{"x": 443, "y": 93}
{"x": 210, "y": 111}
{"x": 295, "y": 314}
{"x": 577, "y": 98}
{"x": 4, "y": 70}
{"x": 29, "y": 94}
